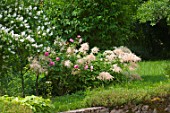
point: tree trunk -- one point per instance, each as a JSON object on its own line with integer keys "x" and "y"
{"x": 23, "y": 86}
{"x": 36, "y": 84}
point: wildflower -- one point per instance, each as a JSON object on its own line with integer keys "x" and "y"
{"x": 76, "y": 66}
{"x": 95, "y": 50}
{"x": 52, "y": 63}
{"x": 105, "y": 76}
{"x": 57, "y": 58}
{"x": 46, "y": 53}
{"x": 71, "y": 40}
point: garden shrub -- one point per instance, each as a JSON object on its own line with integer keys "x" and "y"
{"x": 72, "y": 66}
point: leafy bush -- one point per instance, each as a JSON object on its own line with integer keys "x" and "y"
{"x": 25, "y": 29}
{"x": 72, "y": 66}
{"x": 29, "y": 104}
{"x": 102, "y": 23}
{"x": 153, "y": 11}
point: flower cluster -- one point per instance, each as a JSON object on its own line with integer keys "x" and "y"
{"x": 25, "y": 24}
{"x": 79, "y": 61}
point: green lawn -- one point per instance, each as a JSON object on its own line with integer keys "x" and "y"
{"x": 154, "y": 83}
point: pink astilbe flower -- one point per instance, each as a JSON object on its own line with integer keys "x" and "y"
{"x": 78, "y": 36}
{"x": 36, "y": 67}
{"x": 90, "y": 58}
{"x": 129, "y": 57}
{"x": 118, "y": 51}
{"x": 116, "y": 68}
{"x": 71, "y": 40}
{"x": 132, "y": 66}
{"x": 57, "y": 58}
{"x": 52, "y": 63}
{"x": 86, "y": 67}
{"x": 67, "y": 63}
{"x": 95, "y": 50}
{"x": 84, "y": 47}
{"x": 80, "y": 61}
{"x": 70, "y": 50}
{"x": 46, "y": 54}
{"x": 111, "y": 57}
{"x": 105, "y": 76}
{"x": 76, "y": 66}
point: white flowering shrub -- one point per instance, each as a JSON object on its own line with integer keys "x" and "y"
{"x": 72, "y": 66}
{"x": 25, "y": 30}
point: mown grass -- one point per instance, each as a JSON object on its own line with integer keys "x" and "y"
{"x": 154, "y": 83}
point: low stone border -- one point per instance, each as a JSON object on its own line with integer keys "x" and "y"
{"x": 89, "y": 110}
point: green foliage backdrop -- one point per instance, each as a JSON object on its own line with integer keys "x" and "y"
{"x": 101, "y": 23}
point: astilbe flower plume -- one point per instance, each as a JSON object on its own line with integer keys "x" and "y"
{"x": 67, "y": 63}
{"x": 36, "y": 66}
{"x": 90, "y": 58}
{"x": 116, "y": 68}
{"x": 105, "y": 76}
{"x": 94, "y": 50}
{"x": 84, "y": 47}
